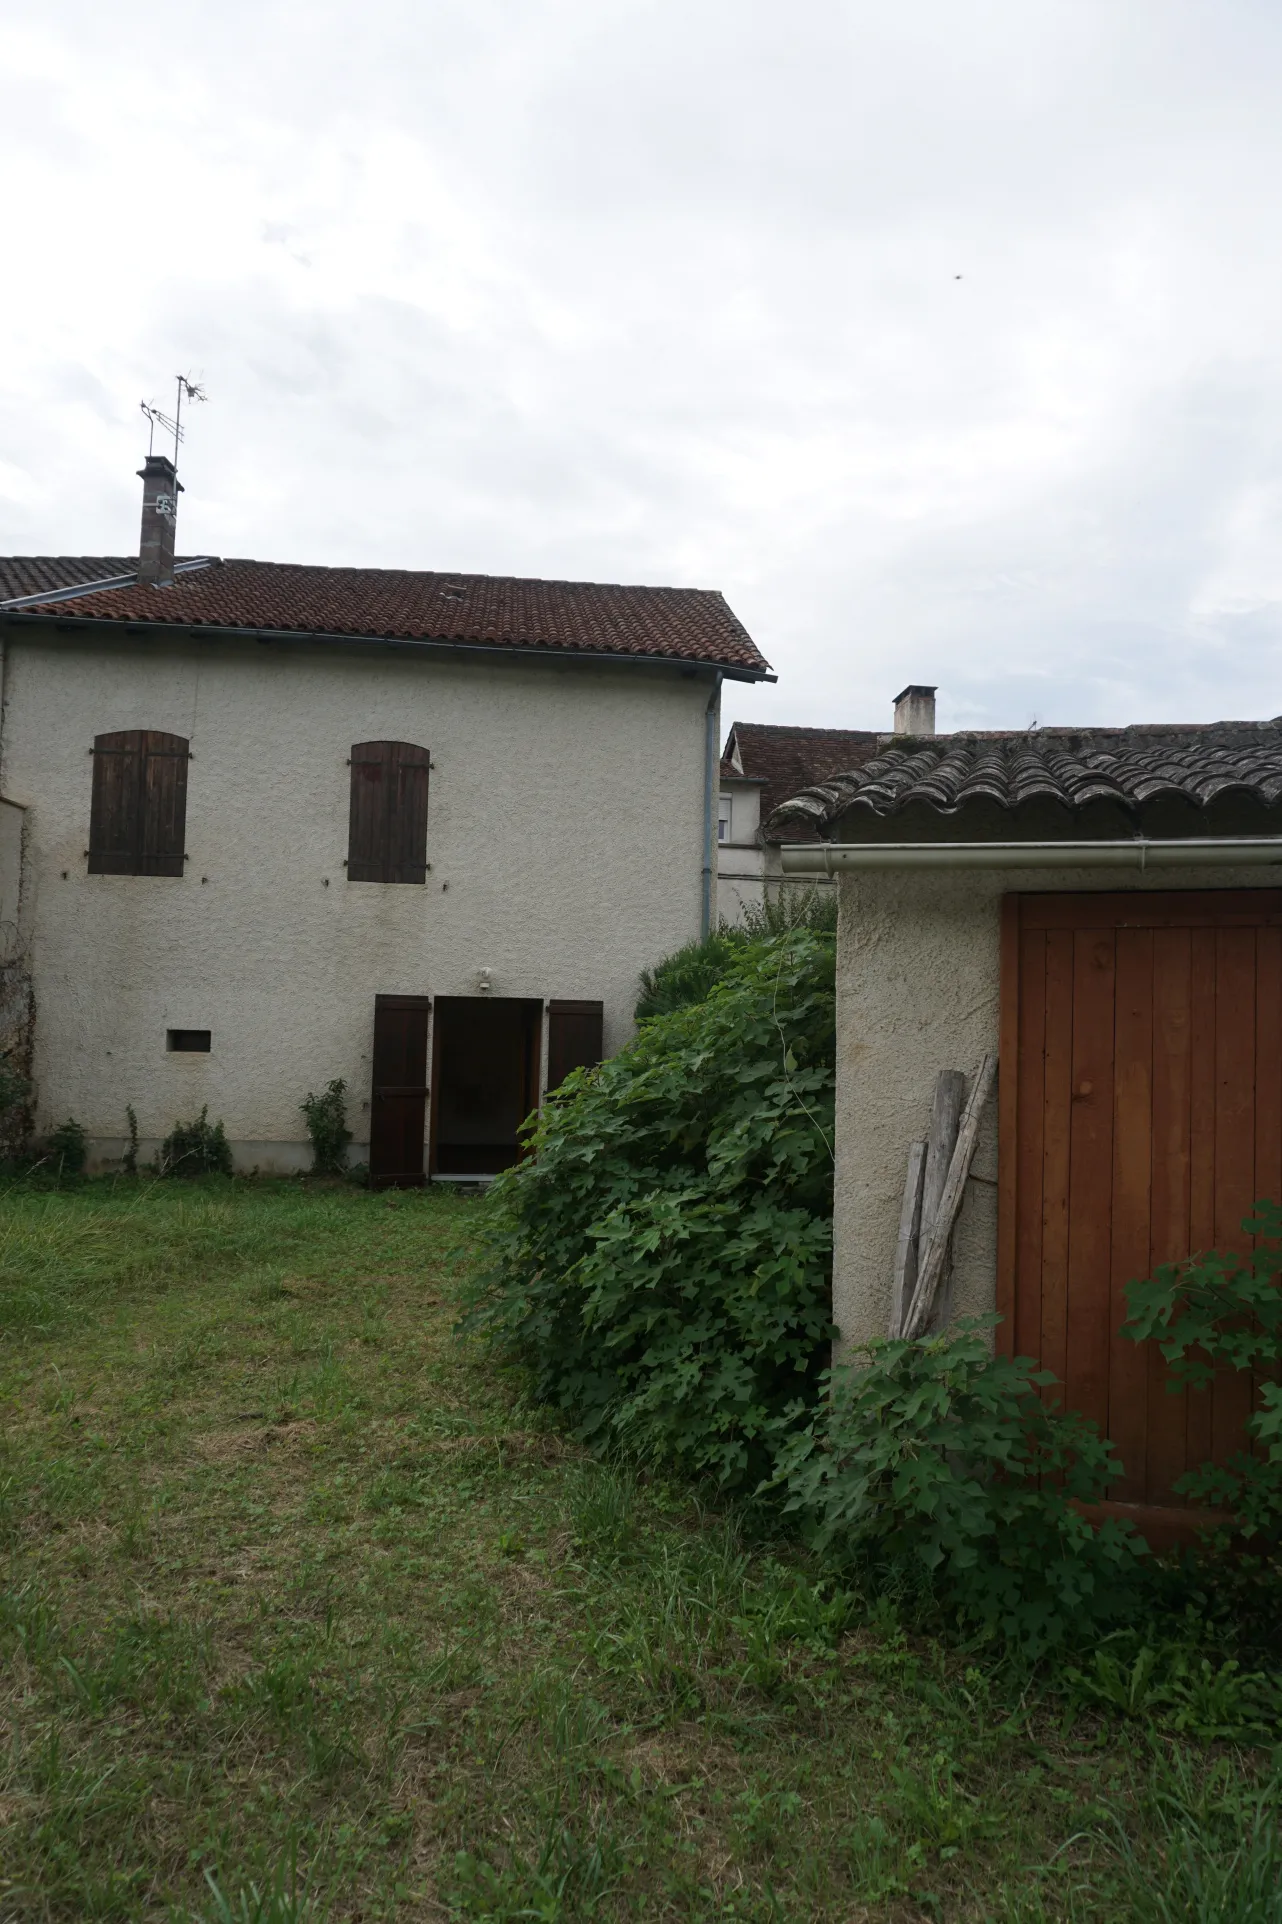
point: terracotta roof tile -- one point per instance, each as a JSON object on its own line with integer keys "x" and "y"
{"x": 38, "y": 574}
{"x": 1072, "y": 767}
{"x": 44, "y": 574}
{"x": 573, "y": 617}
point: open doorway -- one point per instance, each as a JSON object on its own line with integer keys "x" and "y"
{"x": 485, "y": 1081}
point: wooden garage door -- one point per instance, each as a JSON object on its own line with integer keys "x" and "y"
{"x": 1142, "y": 1122}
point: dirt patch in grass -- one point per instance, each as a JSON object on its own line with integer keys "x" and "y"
{"x": 230, "y": 1445}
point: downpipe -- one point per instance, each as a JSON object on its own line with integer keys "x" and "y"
{"x": 711, "y": 761}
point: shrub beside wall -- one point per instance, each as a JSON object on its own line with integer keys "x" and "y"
{"x": 662, "y": 1261}
{"x": 198, "y": 1148}
{"x": 326, "y": 1118}
{"x": 935, "y": 1468}
{"x": 1218, "y": 1311}
{"x": 661, "y": 1265}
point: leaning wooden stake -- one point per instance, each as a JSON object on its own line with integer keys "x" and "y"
{"x": 927, "y": 1174}
{"x": 909, "y": 1232}
{"x": 933, "y": 1257}
{"x": 941, "y": 1140}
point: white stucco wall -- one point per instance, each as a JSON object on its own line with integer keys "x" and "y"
{"x": 918, "y": 990}
{"x": 741, "y": 859}
{"x": 747, "y": 869}
{"x": 565, "y": 834}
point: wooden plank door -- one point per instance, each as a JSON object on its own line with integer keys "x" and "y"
{"x": 1141, "y": 1120}
{"x": 398, "y": 1102}
{"x": 575, "y": 1038}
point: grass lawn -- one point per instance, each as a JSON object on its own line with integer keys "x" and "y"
{"x": 303, "y": 1614}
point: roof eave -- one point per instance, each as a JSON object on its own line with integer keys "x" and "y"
{"x": 507, "y": 650}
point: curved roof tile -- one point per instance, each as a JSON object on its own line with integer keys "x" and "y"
{"x": 1073, "y": 767}
{"x": 573, "y": 617}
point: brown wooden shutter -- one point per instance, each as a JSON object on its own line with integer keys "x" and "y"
{"x": 387, "y": 821}
{"x": 366, "y": 815}
{"x": 115, "y": 834}
{"x": 575, "y": 1038}
{"x": 138, "y": 813}
{"x": 163, "y": 804}
{"x": 407, "y": 826}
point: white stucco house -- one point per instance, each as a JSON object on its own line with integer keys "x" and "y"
{"x": 264, "y": 825}
{"x": 762, "y": 764}
{"x": 1102, "y": 909}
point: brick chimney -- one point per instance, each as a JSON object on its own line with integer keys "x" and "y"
{"x": 915, "y": 710}
{"x": 160, "y": 491}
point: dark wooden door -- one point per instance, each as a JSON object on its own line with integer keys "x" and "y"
{"x": 398, "y": 1102}
{"x": 1141, "y": 1119}
{"x": 485, "y": 1081}
{"x": 575, "y": 1031}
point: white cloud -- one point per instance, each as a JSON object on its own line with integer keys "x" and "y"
{"x": 667, "y": 290}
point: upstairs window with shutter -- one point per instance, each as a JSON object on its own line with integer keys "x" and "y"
{"x": 138, "y": 815}
{"x": 387, "y": 826}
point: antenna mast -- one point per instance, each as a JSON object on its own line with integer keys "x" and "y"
{"x": 171, "y": 425}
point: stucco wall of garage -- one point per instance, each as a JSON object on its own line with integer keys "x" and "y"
{"x": 565, "y": 837}
{"x": 918, "y": 990}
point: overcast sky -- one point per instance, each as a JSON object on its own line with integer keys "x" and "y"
{"x": 942, "y": 336}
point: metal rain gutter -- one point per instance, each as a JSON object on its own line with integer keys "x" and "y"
{"x": 513, "y": 651}
{"x": 829, "y": 858}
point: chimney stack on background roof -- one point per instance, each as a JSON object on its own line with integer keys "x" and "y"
{"x": 160, "y": 491}
{"x": 915, "y": 710}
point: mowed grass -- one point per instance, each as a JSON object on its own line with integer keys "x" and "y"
{"x": 305, "y": 1614}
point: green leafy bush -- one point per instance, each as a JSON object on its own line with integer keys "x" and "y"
{"x": 198, "y": 1148}
{"x": 67, "y": 1148}
{"x": 937, "y": 1467}
{"x": 326, "y": 1116}
{"x": 661, "y": 1261}
{"x": 689, "y": 974}
{"x": 1221, "y": 1310}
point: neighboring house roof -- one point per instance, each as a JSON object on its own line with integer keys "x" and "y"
{"x": 1070, "y": 766}
{"x": 571, "y": 617}
{"x": 784, "y": 760}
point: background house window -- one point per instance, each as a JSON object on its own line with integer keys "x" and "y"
{"x": 138, "y": 814}
{"x": 723, "y": 819}
{"x": 387, "y": 825}
{"x": 191, "y": 1042}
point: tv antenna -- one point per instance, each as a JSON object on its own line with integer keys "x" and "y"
{"x": 174, "y": 425}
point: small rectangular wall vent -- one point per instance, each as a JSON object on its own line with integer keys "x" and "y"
{"x": 188, "y": 1041}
